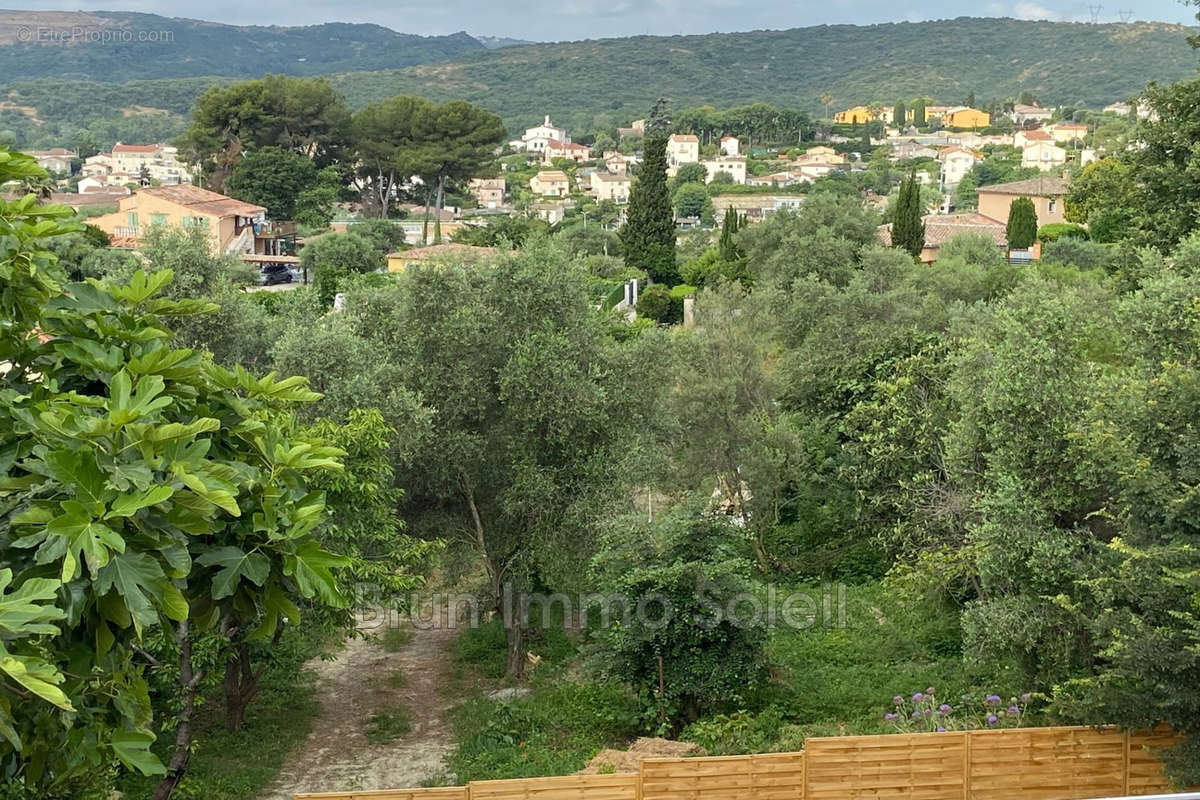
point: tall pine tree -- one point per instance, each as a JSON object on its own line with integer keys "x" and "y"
{"x": 1021, "y": 229}
{"x": 908, "y": 229}
{"x": 648, "y": 236}
{"x": 899, "y": 114}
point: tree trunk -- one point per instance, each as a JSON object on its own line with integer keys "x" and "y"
{"x": 241, "y": 686}
{"x": 516, "y": 647}
{"x": 189, "y": 683}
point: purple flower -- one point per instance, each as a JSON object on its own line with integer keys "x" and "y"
{"x": 1014, "y": 710}
{"x": 992, "y": 719}
{"x": 891, "y": 717}
{"x": 941, "y": 729}
{"x": 897, "y": 699}
{"x": 993, "y": 699}
{"x": 918, "y": 697}
{"x": 928, "y": 713}
{"x": 944, "y": 709}
{"x": 916, "y": 715}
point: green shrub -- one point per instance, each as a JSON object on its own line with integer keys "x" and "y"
{"x": 552, "y": 732}
{"x": 1058, "y": 230}
{"x": 738, "y": 733}
{"x": 655, "y": 303}
{"x": 1080, "y": 253}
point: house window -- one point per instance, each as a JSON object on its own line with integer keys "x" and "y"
{"x": 158, "y": 219}
{"x": 132, "y": 219}
{"x": 1052, "y": 202}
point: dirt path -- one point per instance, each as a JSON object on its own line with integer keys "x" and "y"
{"x": 337, "y": 756}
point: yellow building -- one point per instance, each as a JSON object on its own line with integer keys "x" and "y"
{"x": 963, "y": 117}
{"x": 858, "y": 114}
{"x": 230, "y": 224}
{"x": 450, "y": 253}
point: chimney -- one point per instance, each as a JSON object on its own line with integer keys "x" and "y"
{"x": 547, "y": 120}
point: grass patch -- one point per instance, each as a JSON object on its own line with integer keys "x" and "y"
{"x": 840, "y": 681}
{"x": 394, "y": 639}
{"x": 388, "y": 726}
{"x": 397, "y": 680}
{"x": 553, "y": 731}
{"x": 238, "y": 766}
{"x": 484, "y": 649}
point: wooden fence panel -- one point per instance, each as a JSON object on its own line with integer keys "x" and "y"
{"x": 1145, "y": 770}
{"x": 444, "y": 793}
{"x": 778, "y": 776}
{"x": 568, "y": 787}
{"x": 1046, "y": 764}
{"x": 770, "y": 776}
{"x": 713, "y": 778}
{"x": 928, "y": 766}
{"x": 1010, "y": 764}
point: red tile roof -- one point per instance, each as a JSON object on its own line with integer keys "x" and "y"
{"x": 204, "y": 201}
{"x": 135, "y": 148}
{"x": 1034, "y": 187}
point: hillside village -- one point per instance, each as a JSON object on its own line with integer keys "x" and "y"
{"x": 361, "y": 443}
{"x": 957, "y": 154}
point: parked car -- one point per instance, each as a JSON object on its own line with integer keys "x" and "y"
{"x": 276, "y": 274}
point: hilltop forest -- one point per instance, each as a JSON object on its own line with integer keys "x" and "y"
{"x": 590, "y": 85}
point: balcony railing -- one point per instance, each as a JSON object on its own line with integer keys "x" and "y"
{"x": 275, "y": 228}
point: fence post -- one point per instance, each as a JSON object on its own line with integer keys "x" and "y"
{"x": 804, "y": 772}
{"x": 966, "y": 766}
{"x": 1125, "y": 770}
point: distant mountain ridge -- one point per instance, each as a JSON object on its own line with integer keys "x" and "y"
{"x": 595, "y": 83}
{"x": 122, "y": 46}
{"x": 585, "y": 85}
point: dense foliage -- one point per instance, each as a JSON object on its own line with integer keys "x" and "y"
{"x": 187, "y": 48}
{"x": 597, "y": 85}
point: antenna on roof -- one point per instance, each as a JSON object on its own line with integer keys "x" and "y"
{"x": 1095, "y": 10}
{"x": 1125, "y": 14}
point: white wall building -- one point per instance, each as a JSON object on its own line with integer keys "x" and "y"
{"x": 1043, "y": 155}
{"x": 956, "y": 163}
{"x": 537, "y": 137}
{"x": 126, "y": 163}
{"x": 682, "y": 148}
{"x": 734, "y": 165}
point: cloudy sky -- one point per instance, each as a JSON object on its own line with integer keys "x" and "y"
{"x": 552, "y": 20}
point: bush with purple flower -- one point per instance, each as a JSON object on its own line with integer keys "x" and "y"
{"x": 923, "y": 711}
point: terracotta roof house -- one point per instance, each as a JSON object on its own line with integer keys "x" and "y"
{"x": 230, "y": 224}
{"x": 1022, "y": 138}
{"x": 551, "y": 183}
{"x": 940, "y": 228}
{"x": 569, "y": 150}
{"x": 1047, "y": 194}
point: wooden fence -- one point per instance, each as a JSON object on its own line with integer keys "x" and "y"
{"x": 1013, "y": 764}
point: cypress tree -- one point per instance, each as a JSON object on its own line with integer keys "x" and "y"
{"x": 1021, "y": 229}
{"x": 727, "y": 248}
{"x": 648, "y": 236}
{"x": 918, "y": 114}
{"x": 899, "y": 112}
{"x": 908, "y": 229}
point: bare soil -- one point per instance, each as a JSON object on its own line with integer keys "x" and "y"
{"x": 607, "y": 761}
{"x": 337, "y": 755}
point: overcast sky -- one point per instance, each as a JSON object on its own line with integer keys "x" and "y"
{"x": 554, "y": 20}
